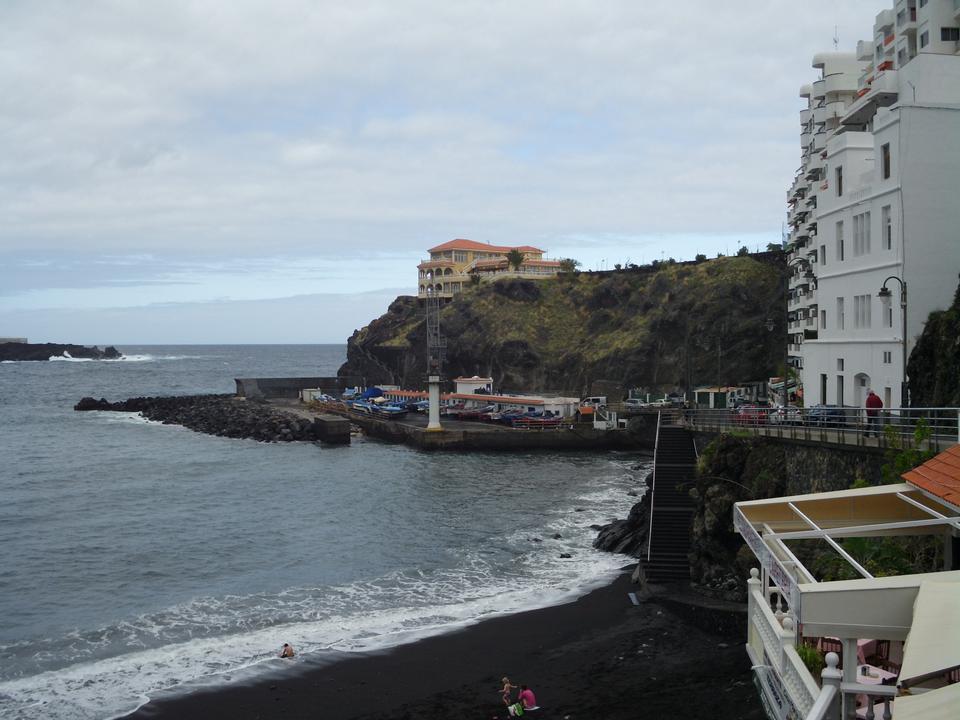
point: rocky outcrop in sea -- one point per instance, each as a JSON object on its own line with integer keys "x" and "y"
{"x": 17, "y": 351}
{"x": 220, "y": 415}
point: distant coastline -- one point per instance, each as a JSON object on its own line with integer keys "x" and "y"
{"x": 23, "y": 351}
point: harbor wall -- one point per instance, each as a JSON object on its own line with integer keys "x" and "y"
{"x": 290, "y": 387}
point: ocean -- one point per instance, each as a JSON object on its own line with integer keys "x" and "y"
{"x": 141, "y": 559}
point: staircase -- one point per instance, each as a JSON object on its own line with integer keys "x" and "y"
{"x": 672, "y": 508}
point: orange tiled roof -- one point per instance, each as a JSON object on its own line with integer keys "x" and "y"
{"x": 461, "y": 244}
{"x": 939, "y": 476}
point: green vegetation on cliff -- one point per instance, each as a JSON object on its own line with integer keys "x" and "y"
{"x": 934, "y": 366}
{"x": 651, "y": 327}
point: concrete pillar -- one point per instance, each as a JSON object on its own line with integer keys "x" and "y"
{"x": 433, "y": 385}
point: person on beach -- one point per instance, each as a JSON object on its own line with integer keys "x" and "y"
{"x": 505, "y": 693}
{"x": 526, "y": 700}
{"x": 874, "y": 405}
{"x": 527, "y": 697}
{"x": 286, "y": 651}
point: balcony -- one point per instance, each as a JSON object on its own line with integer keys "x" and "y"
{"x": 882, "y": 92}
{"x": 864, "y": 50}
{"x": 804, "y": 118}
{"x": 839, "y": 83}
{"x": 885, "y": 21}
{"x": 819, "y": 142}
{"x": 819, "y": 90}
{"x": 805, "y": 138}
{"x": 814, "y": 167}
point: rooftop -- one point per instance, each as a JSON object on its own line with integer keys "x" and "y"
{"x": 939, "y": 476}
{"x": 462, "y": 244}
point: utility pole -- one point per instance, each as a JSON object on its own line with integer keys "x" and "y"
{"x": 436, "y": 347}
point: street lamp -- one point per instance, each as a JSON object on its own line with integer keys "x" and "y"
{"x": 886, "y": 296}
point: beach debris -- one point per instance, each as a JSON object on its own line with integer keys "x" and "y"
{"x": 566, "y": 555}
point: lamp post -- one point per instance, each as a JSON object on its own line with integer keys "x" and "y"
{"x": 885, "y": 295}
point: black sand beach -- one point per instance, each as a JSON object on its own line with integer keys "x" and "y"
{"x": 598, "y": 657}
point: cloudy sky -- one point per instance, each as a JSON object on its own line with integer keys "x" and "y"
{"x": 238, "y": 171}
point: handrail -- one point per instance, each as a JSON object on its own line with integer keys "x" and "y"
{"x": 823, "y": 703}
{"x": 653, "y": 490}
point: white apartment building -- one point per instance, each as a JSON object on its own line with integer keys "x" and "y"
{"x": 877, "y": 195}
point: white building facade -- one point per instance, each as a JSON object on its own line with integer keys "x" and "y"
{"x": 877, "y": 196}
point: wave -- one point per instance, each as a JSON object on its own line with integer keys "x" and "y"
{"x": 214, "y": 640}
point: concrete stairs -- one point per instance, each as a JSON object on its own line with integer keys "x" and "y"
{"x": 673, "y": 509}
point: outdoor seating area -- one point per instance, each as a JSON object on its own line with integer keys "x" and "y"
{"x": 879, "y": 645}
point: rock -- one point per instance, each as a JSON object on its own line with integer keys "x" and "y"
{"x": 566, "y": 555}
{"x": 45, "y": 351}
{"x": 557, "y": 536}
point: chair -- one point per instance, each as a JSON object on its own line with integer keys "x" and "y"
{"x": 881, "y": 653}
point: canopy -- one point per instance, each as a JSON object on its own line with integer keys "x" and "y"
{"x": 933, "y": 644}
{"x": 939, "y": 704}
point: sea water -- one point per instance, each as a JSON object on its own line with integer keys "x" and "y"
{"x": 141, "y": 558}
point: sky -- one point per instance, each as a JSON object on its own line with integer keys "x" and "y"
{"x": 230, "y": 171}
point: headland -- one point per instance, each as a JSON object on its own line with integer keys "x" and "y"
{"x": 24, "y": 351}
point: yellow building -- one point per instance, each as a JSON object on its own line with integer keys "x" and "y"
{"x": 452, "y": 264}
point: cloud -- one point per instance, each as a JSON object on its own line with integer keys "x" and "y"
{"x": 311, "y": 129}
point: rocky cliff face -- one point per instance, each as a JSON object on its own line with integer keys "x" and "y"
{"x": 934, "y": 365}
{"x": 651, "y": 327}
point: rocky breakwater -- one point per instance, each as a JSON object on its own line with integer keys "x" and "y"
{"x": 17, "y": 351}
{"x": 224, "y": 416}
{"x": 629, "y": 536}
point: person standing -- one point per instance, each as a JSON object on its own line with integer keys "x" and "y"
{"x": 874, "y": 405}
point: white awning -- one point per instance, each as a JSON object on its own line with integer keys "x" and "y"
{"x": 933, "y": 644}
{"x": 939, "y": 704}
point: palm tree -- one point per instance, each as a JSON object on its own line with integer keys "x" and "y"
{"x": 515, "y": 259}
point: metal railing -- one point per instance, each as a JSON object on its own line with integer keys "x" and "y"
{"x": 936, "y": 428}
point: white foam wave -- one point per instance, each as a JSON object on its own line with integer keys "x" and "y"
{"x": 218, "y": 640}
{"x": 67, "y": 357}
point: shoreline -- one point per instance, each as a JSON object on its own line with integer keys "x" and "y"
{"x": 597, "y": 656}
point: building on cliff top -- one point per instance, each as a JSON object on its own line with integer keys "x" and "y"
{"x": 452, "y": 264}
{"x": 875, "y": 196}
{"x": 891, "y": 641}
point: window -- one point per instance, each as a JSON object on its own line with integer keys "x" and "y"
{"x": 839, "y": 175}
{"x": 886, "y": 397}
{"x": 823, "y": 388}
{"x": 861, "y": 234}
{"x": 949, "y": 34}
{"x": 459, "y": 256}
{"x": 885, "y": 160}
{"x": 839, "y": 313}
{"x": 861, "y": 311}
{"x": 839, "y": 364}
{"x": 887, "y": 357}
{"x": 901, "y": 57}
{"x": 886, "y": 227}
{"x": 823, "y": 254}
{"x": 924, "y": 38}
{"x": 840, "y": 241}
{"x": 839, "y": 389}
{"x": 923, "y": 3}
{"x": 823, "y": 319}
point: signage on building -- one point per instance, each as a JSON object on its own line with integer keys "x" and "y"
{"x": 770, "y": 563}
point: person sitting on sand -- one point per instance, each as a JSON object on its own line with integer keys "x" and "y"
{"x": 507, "y": 687}
{"x": 286, "y": 651}
{"x": 527, "y": 697}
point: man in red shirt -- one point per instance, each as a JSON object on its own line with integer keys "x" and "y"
{"x": 874, "y": 405}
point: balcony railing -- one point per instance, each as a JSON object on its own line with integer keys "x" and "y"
{"x": 891, "y": 427}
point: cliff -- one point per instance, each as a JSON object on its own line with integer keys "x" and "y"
{"x": 654, "y": 327}
{"x": 934, "y": 365}
{"x": 45, "y": 351}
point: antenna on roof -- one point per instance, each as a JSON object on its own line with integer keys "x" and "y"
{"x": 836, "y": 38}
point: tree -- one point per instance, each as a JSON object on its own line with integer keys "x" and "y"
{"x": 569, "y": 265}
{"x": 618, "y": 266}
{"x": 515, "y": 259}
{"x": 474, "y": 279}
{"x": 700, "y": 257}
{"x": 744, "y": 250}
{"x": 774, "y": 247}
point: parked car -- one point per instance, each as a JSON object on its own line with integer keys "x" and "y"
{"x": 832, "y": 415}
{"x": 635, "y": 403}
{"x": 751, "y": 414}
{"x": 789, "y": 415}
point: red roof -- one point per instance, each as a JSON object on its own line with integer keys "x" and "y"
{"x": 461, "y": 244}
{"x": 939, "y": 476}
